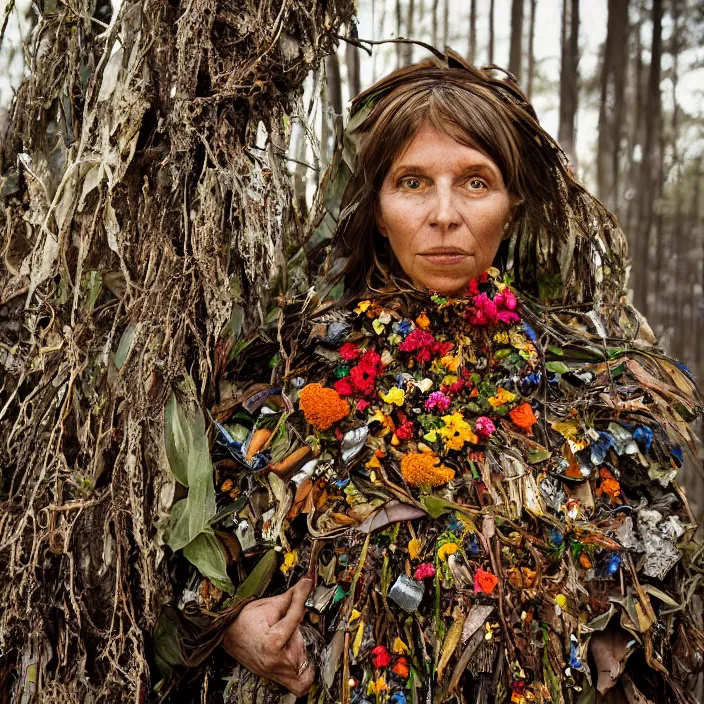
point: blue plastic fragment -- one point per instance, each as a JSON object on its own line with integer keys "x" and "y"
{"x": 600, "y": 447}
{"x": 643, "y": 435}
{"x": 529, "y": 332}
{"x": 398, "y": 698}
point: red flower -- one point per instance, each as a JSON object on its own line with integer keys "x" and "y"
{"x": 362, "y": 405}
{"x": 484, "y": 581}
{"x": 440, "y": 349}
{"x": 405, "y": 430}
{"x": 417, "y": 340}
{"x": 363, "y": 376}
{"x": 381, "y": 657}
{"x": 344, "y": 387}
{"x": 350, "y": 352}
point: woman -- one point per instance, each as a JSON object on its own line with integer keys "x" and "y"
{"x": 467, "y": 462}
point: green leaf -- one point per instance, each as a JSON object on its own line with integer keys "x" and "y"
{"x": 557, "y": 367}
{"x": 205, "y": 552}
{"x": 177, "y": 440}
{"x": 258, "y": 579}
{"x": 557, "y": 351}
{"x": 536, "y": 455}
{"x": 124, "y": 345}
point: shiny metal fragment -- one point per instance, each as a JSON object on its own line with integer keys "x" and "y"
{"x": 407, "y": 593}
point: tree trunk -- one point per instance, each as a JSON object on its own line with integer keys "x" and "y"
{"x": 141, "y": 240}
{"x": 408, "y": 48}
{"x": 472, "y": 48}
{"x": 491, "y": 31}
{"x": 531, "y": 49}
{"x": 649, "y": 166}
{"x": 399, "y": 33}
{"x": 516, "y": 51}
{"x": 569, "y": 77}
{"x": 445, "y": 23}
{"x": 352, "y": 62}
{"x": 435, "y": 22}
{"x": 611, "y": 103}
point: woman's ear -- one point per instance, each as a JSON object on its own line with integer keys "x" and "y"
{"x": 380, "y": 224}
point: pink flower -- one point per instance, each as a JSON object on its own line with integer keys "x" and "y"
{"x": 486, "y": 305}
{"x": 485, "y": 426}
{"x": 478, "y": 318}
{"x": 508, "y": 300}
{"x": 362, "y": 404}
{"x": 507, "y": 317}
{"x": 424, "y": 571}
{"x": 437, "y": 400}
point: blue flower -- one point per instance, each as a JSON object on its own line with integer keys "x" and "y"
{"x": 473, "y": 547}
{"x": 643, "y": 435}
{"x": 574, "y": 658}
{"x": 556, "y": 537}
{"x": 402, "y": 328}
{"x": 612, "y": 564}
{"x": 600, "y": 447}
{"x": 398, "y": 698}
{"x": 529, "y": 332}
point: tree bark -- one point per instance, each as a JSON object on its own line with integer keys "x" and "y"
{"x": 407, "y": 49}
{"x": 611, "y": 103}
{"x": 352, "y": 61}
{"x": 531, "y": 49}
{"x": 569, "y": 77}
{"x": 491, "y": 31}
{"x": 445, "y": 23}
{"x": 435, "y": 22}
{"x": 649, "y": 165}
{"x": 140, "y": 246}
{"x": 516, "y": 50}
{"x": 399, "y": 33}
{"x": 472, "y": 47}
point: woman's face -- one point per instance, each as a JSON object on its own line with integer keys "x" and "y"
{"x": 443, "y": 207}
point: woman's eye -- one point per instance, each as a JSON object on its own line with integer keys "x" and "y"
{"x": 476, "y": 184}
{"x": 412, "y": 184}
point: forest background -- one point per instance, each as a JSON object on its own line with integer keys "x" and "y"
{"x": 104, "y": 321}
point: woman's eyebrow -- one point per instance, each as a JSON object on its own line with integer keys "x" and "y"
{"x": 471, "y": 166}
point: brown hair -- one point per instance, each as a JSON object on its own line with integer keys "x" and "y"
{"x": 492, "y": 115}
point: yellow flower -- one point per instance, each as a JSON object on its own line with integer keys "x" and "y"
{"x": 561, "y": 600}
{"x": 423, "y": 321}
{"x": 449, "y": 380}
{"x": 451, "y": 362}
{"x": 362, "y": 306}
{"x": 290, "y": 559}
{"x": 395, "y": 395}
{"x": 423, "y": 469}
{"x": 457, "y": 432}
{"x": 373, "y": 463}
{"x": 444, "y": 551}
{"x": 413, "y": 548}
{"x": 501, "y": 338}
{"x": 377, "y": 687}
{"x": 378, "y": 326}
{"x": 399, "y": 647}
{"x": 385, "y": 420}
{"x": 502, "y": 398}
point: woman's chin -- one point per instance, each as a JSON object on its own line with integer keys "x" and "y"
{"x": 445, "y": 285}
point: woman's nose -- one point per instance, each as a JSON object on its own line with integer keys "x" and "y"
{"x": 444, "y": 211}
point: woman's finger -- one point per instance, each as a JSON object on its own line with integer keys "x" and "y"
{"x": 276, "y": 606}
{"x": 288, "y": 624}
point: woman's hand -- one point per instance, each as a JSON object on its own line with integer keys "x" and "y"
{"x": 265, "y": 639}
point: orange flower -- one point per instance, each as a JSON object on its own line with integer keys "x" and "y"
{"x": 523, "y": 416}
{"x": 423, "y": 469}
{"x": 484, "y": 581}
{"x": 609, "y": 486}
{"x": 401, "y": 668}
{"x": 322, "y": 406}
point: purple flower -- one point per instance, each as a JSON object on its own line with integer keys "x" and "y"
{"x": 437, "y": 400}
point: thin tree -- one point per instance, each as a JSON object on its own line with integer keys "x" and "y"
{"x": 611, "y": 103}
{"x": 399, "y": 33}
{"x": 531, "y": 48}
{"x": 407, "y": 49}
{"x": 516, "y": 50}
{"x": 354, "y": 81}
{"x": 472, "y": 46}
{"x": 569, "y": 77}
{"x": 491, "y": 31}
{"x": 649, "y": 165}
{"x": 445, "y": 22}
{"x": 435, "y": 22}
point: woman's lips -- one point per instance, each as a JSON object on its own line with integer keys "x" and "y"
{"x": 448, "y": 258}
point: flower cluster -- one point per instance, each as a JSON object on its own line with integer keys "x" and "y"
{"x": 424, "y": 469}
{"x": 491, "y": 311}
{"x": 362, "y": 377}
{"x": 322, "y": 407}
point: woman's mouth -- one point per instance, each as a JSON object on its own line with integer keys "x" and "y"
{"x": 444, "y": 257}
